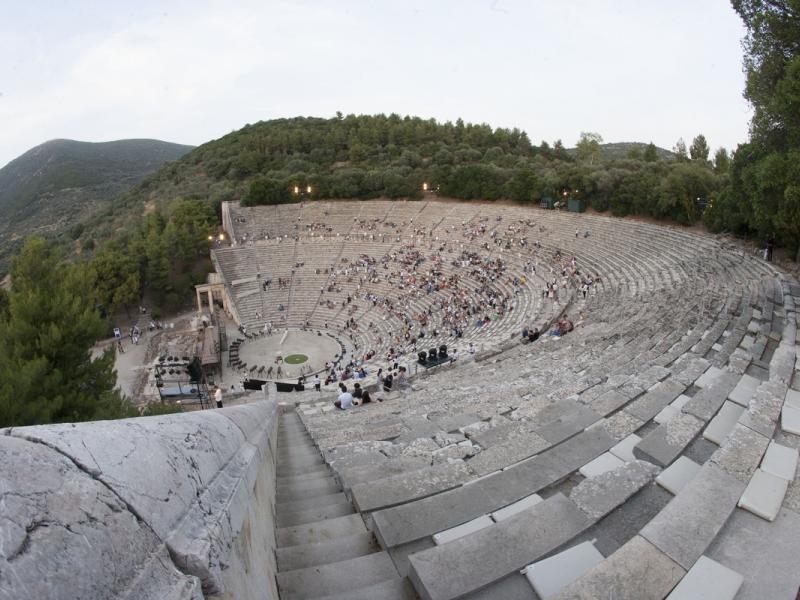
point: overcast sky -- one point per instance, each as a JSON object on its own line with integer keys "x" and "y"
{"x": 188, "y": 72}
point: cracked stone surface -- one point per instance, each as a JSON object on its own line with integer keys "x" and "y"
{"x": 597, "y": 496}
{"x": 188, "y": 476}
{"x": 64, "y": 534}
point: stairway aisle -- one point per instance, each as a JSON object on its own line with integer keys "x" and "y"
{"x": 324, "y": 550}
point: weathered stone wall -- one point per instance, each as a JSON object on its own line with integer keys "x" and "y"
{"x": 174, "y": 507}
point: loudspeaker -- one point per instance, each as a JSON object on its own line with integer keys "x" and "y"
{"x": 253, "y": 384}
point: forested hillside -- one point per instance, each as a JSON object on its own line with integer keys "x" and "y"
{"x": 370, "y": 156}
{"x": 53, "y": 187}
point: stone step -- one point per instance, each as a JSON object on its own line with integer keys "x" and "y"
{"x": 306, "y": 503}
{"x": 311, "y": 488}
{"x": 322, "y": 553}
{"x": 312, "y": 515}
{"x": 291, "y": 466}
{"x": 320, "y": 471}
{"x": 399, "y": 588}
{"x": 320, "y": 531}
{"x": 337, "y": 577}
{"x": 293, "y": 455}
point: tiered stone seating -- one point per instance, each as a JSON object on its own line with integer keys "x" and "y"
{"x": 647, "y": 428}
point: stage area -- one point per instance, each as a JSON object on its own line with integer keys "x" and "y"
{"x": 301, "y": 352}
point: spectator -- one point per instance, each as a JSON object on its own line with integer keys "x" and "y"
{"x": 344, "y": 401}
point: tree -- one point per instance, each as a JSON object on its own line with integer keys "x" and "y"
{"x": 588, "y": 147}
{"x": 765, "y": 180}
{"x": 680, "y": 151}
{"x": 650, "y": 153}
{"x": 721, "y": 161}
{"x": 266, "y": 190}
{"x": 47, "y": 373}
{"x": 117, "y": 278}
{"x": 699, "y": 148}
{"x": 634, "y": 153}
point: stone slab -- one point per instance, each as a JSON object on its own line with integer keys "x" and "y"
{"x": 320, "y": 553}
{"x": 723, "y": 422}
{"x": 764, "y": 411}
{"x": 705, "y": 404}
{"x": 335, "y": 577}
{"x": 397, "y": 588}
{"x": 452, "y": 423}
{"x": 655, "y": 399}
{"x": 329, "y": 529}
{"x": 601, "y": 464}
{"x": 551, "y": 575}
{"x": 448, "y": 535}
{"x": 425, "y": 517}
{"x": 758, "y": 550}
{"x": 678, "y": 474}
{"x": 666, "y": 413}
{"x": 687, "y": 525}
{"x": 568, "y": 425}
{"x": 764, "y": 495}
{"x": 398, "y": 489}
{"x": 638, "y": 570}
{"x": 740, "y": 452}
{"x": 599, "y": 495}
{"x": 708, "y": 377}
{"x": 667, "y": 441}
{"x": 609, "y": 402}
{"x": 381, "y": 468}
{"x": 64, "y": 534}
{"x": 790, "y": 420}
{"x": 516, "y": 507}
{"x": 680, "y": 401}
{"x": 472, "y": 562}
{"x": 501, "y": 433}
{"x": 793, "y": 398}
{"x": 624, "y": 449}
{"x": 780, "y": 461}
{"x": 744, "y": 390}
{"x": 504, "y": 454}
{"x": 708, "y": 579}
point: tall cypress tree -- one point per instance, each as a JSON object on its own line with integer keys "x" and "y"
{"x": 47, "y": 373}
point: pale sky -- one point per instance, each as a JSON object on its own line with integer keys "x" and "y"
{"x": 191, "y": 71}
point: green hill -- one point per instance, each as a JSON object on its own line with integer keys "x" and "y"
{"x": 53, "y": 187}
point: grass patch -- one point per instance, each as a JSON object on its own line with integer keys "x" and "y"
{"x": 295, "y": 359}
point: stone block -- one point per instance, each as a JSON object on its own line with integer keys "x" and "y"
{"x": 723, "y": 422}
{"x": 708, "y": 377}
{"x": 740, "y": 452}
{"x": 516, "y": 507}
{"x": 448, "y": 535}
{"x": 402, "y": 488}
{"x": 678, "y": 474}
{"x": 667, "y": 413}
{"x": 619, "y": 425}
{"x": 472, "y": 562}
{"x": 708, "y": 401}
{"x": 780, "y": 461}
{"x": 601, "y": 464}
{"x": 501, "y": 433}
{"x": 507, "y": 453}
{"x": 667, "y": 441}
{"x": 567, "y": 425}
{"x": 599, "y": 495}
{"x": 549, "y": 576}
{"x": 793, "y": 398}
{"x": 790, "y": 420}
{"x": 708, "y": 579}
{"x": 636, "y": 571}
{"x": 764, "y": 495}
{"x": 765, "y": 408}
{"x": 687, "y": 525}
{"x": 624, "y": 449}
{"x": 744, "y": 390}
{"x": 655, "y": 399}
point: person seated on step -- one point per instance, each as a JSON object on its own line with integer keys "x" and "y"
{"x": 533, "y": 335}
{"x": 357, "y": 391}
{"x": 344, "y": 401}
{"x": 365, "y": 397}
{"x": 388, "y": 381}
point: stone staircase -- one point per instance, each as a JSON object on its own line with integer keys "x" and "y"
{"x": 324, "y": 549}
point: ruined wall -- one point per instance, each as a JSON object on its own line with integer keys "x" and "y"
{"x": 174, "y": 507}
